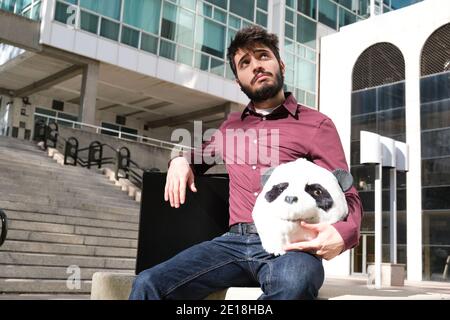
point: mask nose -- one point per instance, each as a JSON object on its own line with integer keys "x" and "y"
{"x": 290, "y": 199}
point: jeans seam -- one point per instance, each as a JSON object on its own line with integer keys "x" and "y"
{"x": 196, "y": 275}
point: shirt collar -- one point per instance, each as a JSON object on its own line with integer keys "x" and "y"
{"x": 290, "y": 104}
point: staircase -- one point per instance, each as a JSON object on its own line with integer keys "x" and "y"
{"x": 61, "y": 218}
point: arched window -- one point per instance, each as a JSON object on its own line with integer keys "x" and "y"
{"x": 378, "y": 105}
{"x": 435, "y": 136}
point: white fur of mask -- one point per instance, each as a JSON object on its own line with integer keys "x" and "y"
{"x": 278, "y": 220}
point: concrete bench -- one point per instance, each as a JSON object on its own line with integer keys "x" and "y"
{"x": 117, "y": 286}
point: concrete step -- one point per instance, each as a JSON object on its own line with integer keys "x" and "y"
{"x": 65, "y": 220}
{"x": 41, "y": 259}
{"x": 42, "y": 286}
{"x": 36, "y": 186}
{"x": 50, "y": 237}
{"x": 67, "y": 249}
{"x": 54, "y": 273}
{"x": 7, "y": 144}
{"x": 125, "y": 216}
{"x": 46, "y": 197}
{"x": 44, "y": 296}
{"x": 72, "y": 229}
{"x": 17, "y": 202}
{"x": 33, "y": 173}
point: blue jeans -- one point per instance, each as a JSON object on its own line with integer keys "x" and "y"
{"x": 231, "y": 260}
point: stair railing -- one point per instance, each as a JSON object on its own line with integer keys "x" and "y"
{"x": 4, "y": 230}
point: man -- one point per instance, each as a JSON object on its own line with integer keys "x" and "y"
{"x": 237, "y": 257}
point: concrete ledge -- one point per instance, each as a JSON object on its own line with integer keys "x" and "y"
{"x": 111, "y": 286}
{"x": 117, "y": 286}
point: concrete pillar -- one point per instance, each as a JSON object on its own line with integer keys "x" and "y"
{"x": 414, "y": 175}
{"x": 19, "y": 118}
{"x": 89, "y": 93}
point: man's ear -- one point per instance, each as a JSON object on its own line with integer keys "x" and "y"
{"x": 283, "y": 67}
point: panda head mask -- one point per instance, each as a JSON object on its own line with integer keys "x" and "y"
{"x": 298, "y": 191}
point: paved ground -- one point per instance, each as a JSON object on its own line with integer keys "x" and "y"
{"x": 350, "y": 288}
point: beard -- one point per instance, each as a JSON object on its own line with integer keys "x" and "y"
{"x": 266, "y": 91}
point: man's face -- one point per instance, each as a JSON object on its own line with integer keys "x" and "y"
{"x": 259, "y": 73}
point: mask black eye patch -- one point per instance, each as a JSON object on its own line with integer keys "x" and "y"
{"x": 321, "y": 195}
{"x": 276, "y": 191}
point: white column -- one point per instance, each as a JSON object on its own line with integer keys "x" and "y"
{"x": 414, "y": 175}
{"x": 378, "y": 224}
{"x": 276, "y": 20}
{"x": 393, "y": 216}
{"x": 89, "y": 93}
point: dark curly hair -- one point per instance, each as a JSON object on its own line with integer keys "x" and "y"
{"x": 246, "y": 38}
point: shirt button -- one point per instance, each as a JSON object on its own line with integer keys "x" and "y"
{"x": 255, "y": 141}
{"x": 254, "y": 167}
{"x": 264, "y": 118}
{"x": 255, "y": 194}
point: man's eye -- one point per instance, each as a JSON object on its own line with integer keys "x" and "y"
{"x": 264, "y": 55}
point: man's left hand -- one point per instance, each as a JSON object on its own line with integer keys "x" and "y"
{"x": 327, "y": 244}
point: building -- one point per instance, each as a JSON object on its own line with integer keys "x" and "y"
{"x": 390, "y": 75}
{"x": 106, "y": 64}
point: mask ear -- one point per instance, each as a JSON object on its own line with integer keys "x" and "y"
{"x": 344, "y": 178}
{"x": 266, "y": 175}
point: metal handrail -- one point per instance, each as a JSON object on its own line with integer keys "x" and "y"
{"x": 4, "y": 230}
{"x": 125, "y": 167}
{"x": 140, "y": 139}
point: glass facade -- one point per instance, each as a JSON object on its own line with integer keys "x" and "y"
{"x": 27, "y": 8}
{"x": 380, "y": 110}
{"x": 193, "y": 32}
{"x": 435, "y": 135}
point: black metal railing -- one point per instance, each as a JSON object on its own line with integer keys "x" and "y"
{"x": 124, "y": 166}
{"x": 4, "y": 230}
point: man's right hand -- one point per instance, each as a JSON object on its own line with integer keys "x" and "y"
{"x": 178, "y": 175}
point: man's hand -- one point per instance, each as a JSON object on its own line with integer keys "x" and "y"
{"x": 178, "y": 175}
{"x": 327, "y": 244}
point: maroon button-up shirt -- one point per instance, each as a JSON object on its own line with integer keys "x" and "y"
{"x": 290, "y": 132}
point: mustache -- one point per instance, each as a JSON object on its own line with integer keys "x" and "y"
{"x": 263, "y": 73}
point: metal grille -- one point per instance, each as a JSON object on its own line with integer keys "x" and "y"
{"x": 436, "y": 52}
{"x": 379, "y": 64}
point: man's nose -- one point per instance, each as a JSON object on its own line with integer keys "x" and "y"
{"x": 291, "y": 199}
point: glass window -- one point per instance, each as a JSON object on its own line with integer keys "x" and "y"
{"x": 391, "y": 96}
{"x": 436, "y": 172}
{"x": 328, "y": 13}
{"x": 205, "y": 9}
{"x": 88, "y": 22}
{"x": 307, "y": 7}
{"x": 185, "y": 55}
{"x": 306, "y": 75}
{"x": 262, "y": 4}
{"x": 188, "y": 4}
{"x": 346, "y": 17}
{"x": 391, "y": 122}
{"x": 167, "y": 49}
{"x": 130, "y": 37}
{"x": 346, "y": 3}
{"x": 288, "y": 31}
{"x": 109, "y": 29}
{"x": 435, "y": 87}
{"x": 142, "y": 14}
{"x": 220, "y": 15}
{"x": 210, "y": 37}
{"x": 149, "y": 43}
{"x": 112, "y": 127}
{"x": 289, "y": 16}
{"x": 234, "y": 22}
{"x": 185, "y": 26}
{"x": 364, "y": 101}
{"x": 109, "y": 8}
{"x": 364, "y": 122}
{"x": 64, "y": 14}
{"x": 129, "y": 130}
{"x": 435, "y": 198}
{"x": 435, "y": 115}
{"x": 290, "y": 3}
{"x": 243, "y": 8}
{"x": 169, "y": 21}
{"x": 217, "y": 67}
{"x": 201, "y": 61}
{"x": 306, "y": 31}
{"x": 436, "y": 143}
{"x": 36, "y": 12}
{"x": 220, "y": 3}
{"x": 261, "y": 18}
